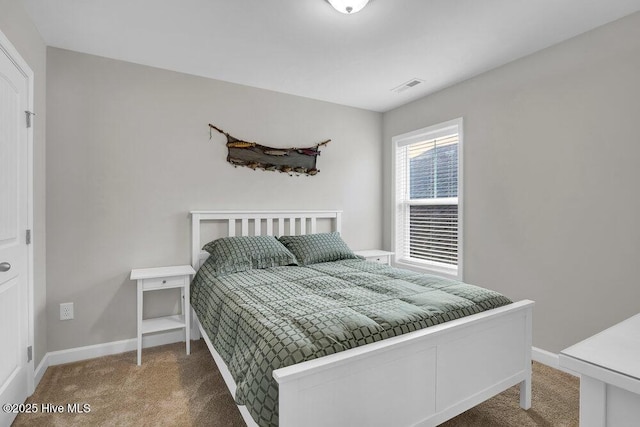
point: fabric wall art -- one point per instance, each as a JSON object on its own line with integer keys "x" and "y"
{"x": 298, "y": 161}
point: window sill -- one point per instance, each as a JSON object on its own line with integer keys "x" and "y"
{"x": 449, "y": 273}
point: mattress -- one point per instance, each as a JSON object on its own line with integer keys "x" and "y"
{"x": 264, "y": 319}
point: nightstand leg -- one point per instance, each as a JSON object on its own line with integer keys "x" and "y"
{"x": 140, "y": 296}
{"x": 187, "y": 317}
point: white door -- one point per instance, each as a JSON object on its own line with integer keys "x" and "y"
{"x": 14, "y": 309}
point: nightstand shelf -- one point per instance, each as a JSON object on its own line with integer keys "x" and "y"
{"x": 165, "y": 323}
{"x": 153, "y": 279}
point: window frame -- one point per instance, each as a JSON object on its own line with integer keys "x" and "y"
{"x": 420, "y": 135}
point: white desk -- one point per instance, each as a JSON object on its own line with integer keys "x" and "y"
{"x": 609, "y": 368}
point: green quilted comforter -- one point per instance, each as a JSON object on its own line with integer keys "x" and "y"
{"x": 262, "y": 320}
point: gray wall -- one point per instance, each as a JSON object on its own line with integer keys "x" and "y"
{"x": 550, "y": 171}
{"x": 20, "y": 30}
{"x": 129, "y": 156}
{"x": 551, "y": 174}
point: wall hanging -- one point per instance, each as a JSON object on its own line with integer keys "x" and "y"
{"x": 300, "y": 161}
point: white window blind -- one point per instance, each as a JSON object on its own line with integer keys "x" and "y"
{"x": 427, "y": 198}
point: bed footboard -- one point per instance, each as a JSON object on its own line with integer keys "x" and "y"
{"x": 422, "y": 378}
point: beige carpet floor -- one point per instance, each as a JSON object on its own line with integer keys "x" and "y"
{"x": 172, "y": 389}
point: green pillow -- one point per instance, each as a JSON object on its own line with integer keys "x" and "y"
{"x": 315, "y": 248}
{"x": 235, "y": 254}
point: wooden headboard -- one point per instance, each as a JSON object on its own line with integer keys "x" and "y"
{"x": 257, "y": 223}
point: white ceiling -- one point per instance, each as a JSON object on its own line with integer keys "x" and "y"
{"x": 306, "y": 48}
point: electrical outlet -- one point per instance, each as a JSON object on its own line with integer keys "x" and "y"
{"x": 66, "y": 311}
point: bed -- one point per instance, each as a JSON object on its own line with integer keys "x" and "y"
{"x": 416, "y": 377}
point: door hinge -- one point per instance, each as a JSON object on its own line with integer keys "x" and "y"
{"x": 28, "y": 237}
{"x": 28, "y": 115}
{"x": 29, "y": 354}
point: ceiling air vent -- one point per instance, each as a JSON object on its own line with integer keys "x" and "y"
{"x": 407, "y": 85}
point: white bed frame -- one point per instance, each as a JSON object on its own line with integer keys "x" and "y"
{"x": 421, "y": 378}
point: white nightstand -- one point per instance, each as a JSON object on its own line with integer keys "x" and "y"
{"x": 376, "y": 255}
{"x": 151, "y": 279}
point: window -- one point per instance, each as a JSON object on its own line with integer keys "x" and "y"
{"x": 427, "y": 198}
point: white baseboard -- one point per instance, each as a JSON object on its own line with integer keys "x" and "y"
{"x": 545, "y": 357}
{"x": 77, "y": 354}
{"x": 40, "y": 370}
{"x": 550, "y": 359}
{"x": 53, "y": 358}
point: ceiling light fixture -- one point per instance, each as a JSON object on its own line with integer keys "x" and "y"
{"x": 348, "y": 6}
